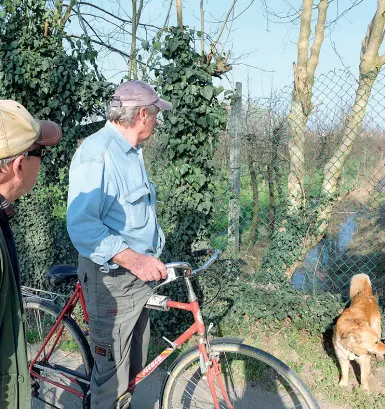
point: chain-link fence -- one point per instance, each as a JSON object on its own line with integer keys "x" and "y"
{"x": 253, "y": 197}
{"x": 255, "y": 151}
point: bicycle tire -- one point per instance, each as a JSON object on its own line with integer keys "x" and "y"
{"x": 176, "y": 393}
{"x": 71, "y": 353}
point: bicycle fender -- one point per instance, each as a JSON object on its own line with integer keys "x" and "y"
{"x": 227, "y": 340}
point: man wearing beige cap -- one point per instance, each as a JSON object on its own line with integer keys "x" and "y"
{"x": 112, "y": 222}
{"x": 22, "y": 140}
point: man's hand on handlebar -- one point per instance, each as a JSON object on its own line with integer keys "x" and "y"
{"x": 146, "y": 268}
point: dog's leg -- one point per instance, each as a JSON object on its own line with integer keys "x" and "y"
{"x": 364, "y": 362}
{"x": 344, "y": 363}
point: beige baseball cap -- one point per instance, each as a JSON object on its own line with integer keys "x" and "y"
{"x": 19, "y": 131}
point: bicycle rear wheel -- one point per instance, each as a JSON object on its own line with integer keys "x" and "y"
{"x": 65, "y": 363}
{"x": 253, "y": 379}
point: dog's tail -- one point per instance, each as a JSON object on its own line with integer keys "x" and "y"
{"x": 360, "y": 283}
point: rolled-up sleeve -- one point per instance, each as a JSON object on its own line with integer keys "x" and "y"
{"x": 86, "y": 197}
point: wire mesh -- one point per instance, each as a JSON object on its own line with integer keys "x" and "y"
{"x": 323, "y": 147}
{"x": 255, "y": 160}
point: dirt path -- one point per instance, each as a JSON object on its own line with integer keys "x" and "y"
{"x": 147, "y": 395}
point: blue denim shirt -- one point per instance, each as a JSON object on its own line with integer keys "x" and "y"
{"x": 111, "y": 202}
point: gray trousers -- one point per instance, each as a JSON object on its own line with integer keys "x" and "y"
{"x": 119, "y": 330}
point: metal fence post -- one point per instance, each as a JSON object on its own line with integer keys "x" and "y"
{"x": 235, "y": 122}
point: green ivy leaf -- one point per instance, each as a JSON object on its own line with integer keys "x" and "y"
{"x": 145, "y": 45}
{"x": 207, "y": 92}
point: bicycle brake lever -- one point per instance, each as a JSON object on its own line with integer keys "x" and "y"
{"x": 171, "y": 274}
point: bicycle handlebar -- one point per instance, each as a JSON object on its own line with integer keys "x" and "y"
{"x": 208, "y": 263}
{"x": 186, "y": 267}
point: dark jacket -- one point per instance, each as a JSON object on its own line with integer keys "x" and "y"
{"x": 14, "y": 377}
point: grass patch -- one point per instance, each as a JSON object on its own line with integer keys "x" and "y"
{"x": 313, "y": 359}
{"x": 69, "y": 346}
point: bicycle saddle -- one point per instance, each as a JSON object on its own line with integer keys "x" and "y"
{"x": 62, "y": 274}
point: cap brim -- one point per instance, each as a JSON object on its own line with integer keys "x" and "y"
{"x": 50, "y": 134}
{"x": 162, "y": 104}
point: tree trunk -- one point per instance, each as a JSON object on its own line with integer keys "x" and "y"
{"x": 271, "y": 185}
{"x": 333, "y": 169}
{"x": 301, "y": 106}
{"x": 297, "y": 126}
{"x": 254, "y": 188}
{"x": 371, "y": 63}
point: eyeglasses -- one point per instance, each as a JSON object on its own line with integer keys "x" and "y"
{"x": 37, "y": 152}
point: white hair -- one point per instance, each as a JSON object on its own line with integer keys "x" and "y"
{"x": 126, "y": 116}
{"x": 6, "y": 161}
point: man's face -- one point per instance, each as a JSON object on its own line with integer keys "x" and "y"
{"x": 148, "y": 123}
{"x": 30, "y": 171}
{"x": 25, "y": 169}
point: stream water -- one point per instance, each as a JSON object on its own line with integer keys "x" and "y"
{"x": 317, "y": 272}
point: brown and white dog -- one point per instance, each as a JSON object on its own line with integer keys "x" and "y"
{"x": 357, "y": 333}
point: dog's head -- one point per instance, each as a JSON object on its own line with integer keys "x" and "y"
{"x": 363, "y": 339}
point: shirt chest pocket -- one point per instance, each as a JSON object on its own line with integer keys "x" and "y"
{"x": 137, "y": 207}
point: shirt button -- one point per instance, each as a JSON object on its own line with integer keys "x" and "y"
{"x": 20, "y": 379}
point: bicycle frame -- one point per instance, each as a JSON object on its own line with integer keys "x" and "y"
{"x": 198, "y": 327}
{"x": 67, "y": 311}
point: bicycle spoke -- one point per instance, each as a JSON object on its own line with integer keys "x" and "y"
{"x": 247, "y": 383}
{"x": 189, "y": 395}
{"x": 64, "y": 349}
{"x": 205, "y": 392}
{"x": 231, "y": 377}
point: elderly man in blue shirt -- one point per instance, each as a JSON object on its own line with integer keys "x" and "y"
{"x": 112, "y": 222}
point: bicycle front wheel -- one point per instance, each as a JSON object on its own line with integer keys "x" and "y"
{"x": 61, "y": 373}
{"x": 252, "y": 379}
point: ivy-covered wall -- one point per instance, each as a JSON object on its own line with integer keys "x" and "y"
{"x": 185, "y": 170}
{"x": 52, "y": 83}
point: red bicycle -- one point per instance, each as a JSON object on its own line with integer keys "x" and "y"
{"x": 220, "y": 373}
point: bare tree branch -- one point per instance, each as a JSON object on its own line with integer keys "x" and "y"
{"x": 318, "y": 40}
{"x": 375, "y": 33}
{"x": 136, "y": 12}
{"x": 223, "y": 25}
{"x": 202, "y": 29}
{"x": 179, "y": 13}
{"x": 304, "y": 34}
{"x": 120, "y": 27}
{"x": 68, "y": 12}
{"x": 160, "y": 33}
{"x": 85, "y": 3}
{"x": 102, "y": 43}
